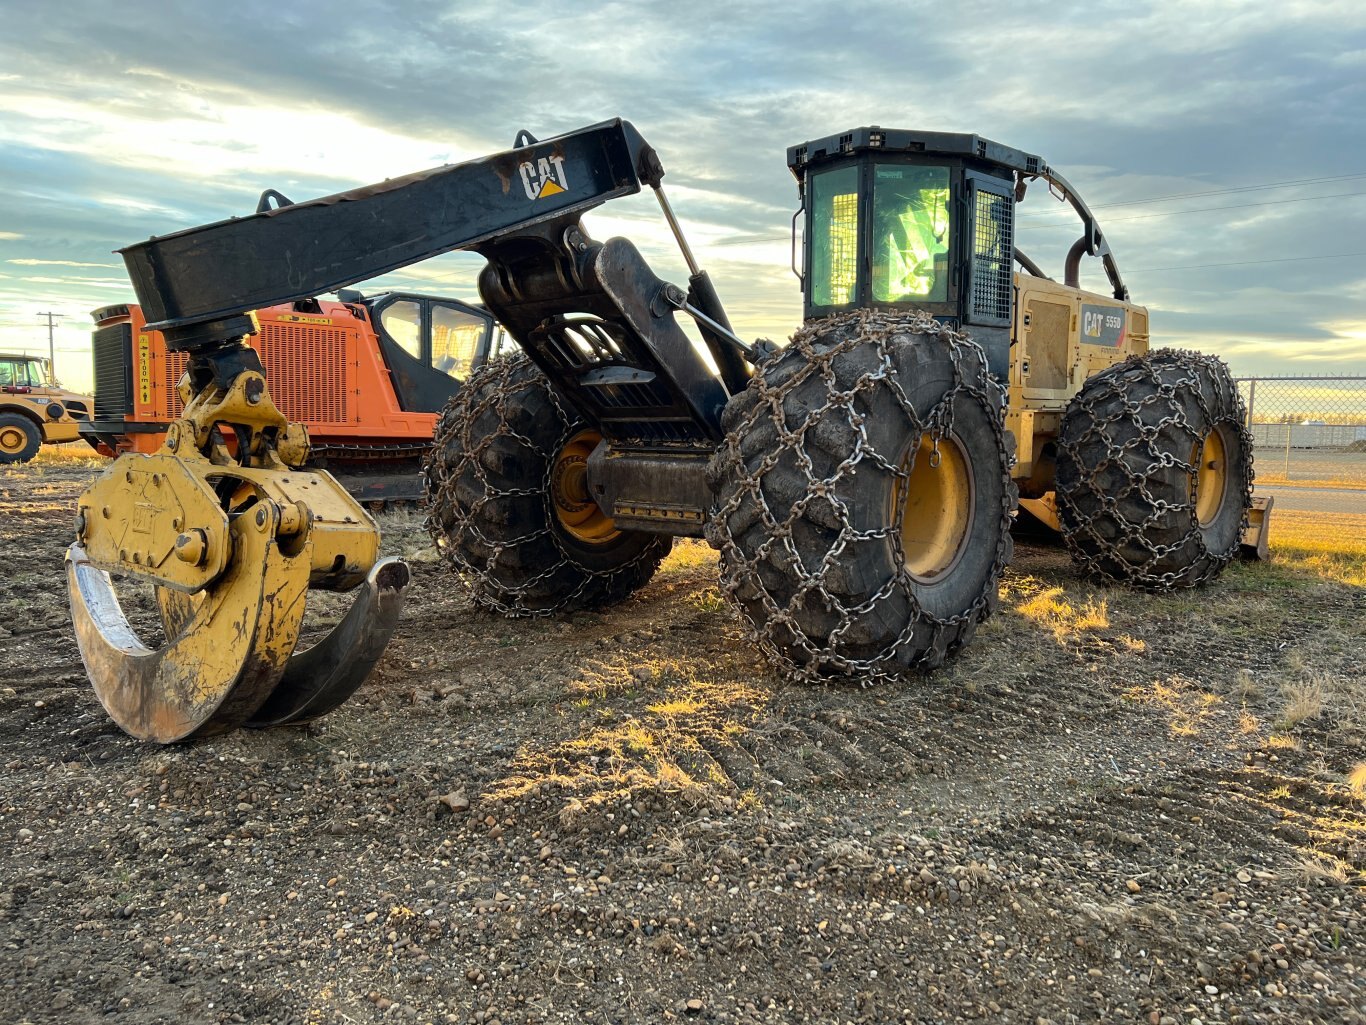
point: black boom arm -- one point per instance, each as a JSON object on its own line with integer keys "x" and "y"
{"x": 192, "y": 280}
{"x": 590, "y": 314}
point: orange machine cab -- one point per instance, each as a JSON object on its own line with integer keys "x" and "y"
{"x": 362, "y": 375}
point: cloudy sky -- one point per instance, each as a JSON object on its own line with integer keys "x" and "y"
{"x": 1222, "y": 144}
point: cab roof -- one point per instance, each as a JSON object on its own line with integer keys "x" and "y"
{"x": 873, "y": 138}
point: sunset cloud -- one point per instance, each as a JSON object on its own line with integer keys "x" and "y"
{"x": 121, "y": 123}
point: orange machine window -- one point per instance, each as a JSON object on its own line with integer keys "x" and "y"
{"x": 456, "y": 335}
{"x": 403, "y": 323}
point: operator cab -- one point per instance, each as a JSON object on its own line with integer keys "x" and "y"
{"x": 21, "y": 374}
{"x": 923, "y": 219}
{"x": 431, "y": 344}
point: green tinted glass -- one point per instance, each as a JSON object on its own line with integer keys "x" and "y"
{"x": 834, "y": 237}
{"x": 910, "y": 233}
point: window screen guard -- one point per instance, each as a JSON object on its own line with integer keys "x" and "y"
{"x": 991, "y": 250}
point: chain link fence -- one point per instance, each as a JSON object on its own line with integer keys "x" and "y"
{"x": 1309, "y": 437}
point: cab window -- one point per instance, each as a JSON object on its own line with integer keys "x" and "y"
{"x": 20, "y": 374}
{"x": 910, "y": 233}
{"x": 834, "y": 236}
{"x": 402, "y": 321}
{"x": 456, "y": 335}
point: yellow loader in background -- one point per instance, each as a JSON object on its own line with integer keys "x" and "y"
{"x": 33, "y": 410}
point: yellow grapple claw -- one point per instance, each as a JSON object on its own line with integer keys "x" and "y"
{"x": 231, "y": 542}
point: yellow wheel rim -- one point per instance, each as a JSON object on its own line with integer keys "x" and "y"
{"x": 574, "y": 507}
{"x": 936, "y": 519}
{"x": 1211, "y": 477}
{"x": 12, "y": 440}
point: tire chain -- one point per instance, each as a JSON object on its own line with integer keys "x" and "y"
{"x": 1113, "y": 384}
{"x": 874, "y": 330}
{"x": 491, "y": 389}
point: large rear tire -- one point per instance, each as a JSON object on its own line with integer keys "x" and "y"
{"x": 20, "y": 438}
{"x": 863, "y": 496}
{"x": 1154, "y": 471}
{"x": 508, "y": 504}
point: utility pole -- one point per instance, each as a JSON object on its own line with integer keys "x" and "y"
{"x": 51, "y": 346}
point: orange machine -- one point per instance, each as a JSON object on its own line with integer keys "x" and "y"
{"x": 366, "y": 376}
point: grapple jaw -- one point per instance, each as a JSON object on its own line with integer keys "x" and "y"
{"x": 231, "y": 542}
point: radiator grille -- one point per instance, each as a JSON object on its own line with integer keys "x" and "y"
{"x": 113, "y": 347}
{"x": 645, "y": 411}
{"x": 992, "y": 251}
{"x": 172, "y": 369}
{"x": 305, "y": 369}
{"x": 584, "y": 342}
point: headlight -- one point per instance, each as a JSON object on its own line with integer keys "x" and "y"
{"x": 55, "y": 410}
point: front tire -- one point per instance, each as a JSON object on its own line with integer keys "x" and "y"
{"x": 20, "y": 438}
{"x": 508, "y": 505}
{"x": 1154, "y": 472}
{"x": 863, "y": 496}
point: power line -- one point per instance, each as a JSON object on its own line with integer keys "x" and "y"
{"x": 1198, "y": 210}
{"x": 752, "y": 240}
{"x": 1238, "y": 188}
{"x": 28, "y": 349}
{"x": 1246, "y": 263}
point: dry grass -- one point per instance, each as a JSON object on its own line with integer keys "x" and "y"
{"x": 1189, "y": 708}
{"x": 1279, "y": 478}
{"x": 1356, "y": 780}
{"x": 662, "y": 748}
{"x": 1246, "y": 687}
{"x": 1339, "y": 566}
{"x": 1051, "y": 609}
{"x": 77, "y": 453}
{"x": 1304, "y": 699}
{"x": 1330, "y": 545}
{"x": 1320, "y": 868}
{"x": 689, "y": 556}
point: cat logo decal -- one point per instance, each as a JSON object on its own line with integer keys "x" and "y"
{"x": 544, "y": 178}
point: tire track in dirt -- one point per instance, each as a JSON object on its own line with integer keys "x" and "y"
{"x": 968, "y": 837}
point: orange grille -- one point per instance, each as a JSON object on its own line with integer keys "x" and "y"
{"x": 306, "y": 371}
{"x": 172, "y": 370}
{"x": 305, "y": 368}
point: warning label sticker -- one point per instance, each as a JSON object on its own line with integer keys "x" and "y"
{"x": 144, "y": 370}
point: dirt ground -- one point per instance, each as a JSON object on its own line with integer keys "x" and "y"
{"x": 1111, "y": 807}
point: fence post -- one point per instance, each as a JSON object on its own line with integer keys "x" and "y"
{"x": 1289, "y": 429}
{"x": 1251, "y": 400}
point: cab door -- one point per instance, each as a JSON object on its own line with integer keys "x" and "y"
{"x": 431, "y": 345}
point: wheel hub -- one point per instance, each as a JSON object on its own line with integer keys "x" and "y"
{"x": 1211, "y": 477}
{"x": 574, "y": 507}
{"x": 12, "y": 440}
{"x": 936, "y": 517}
